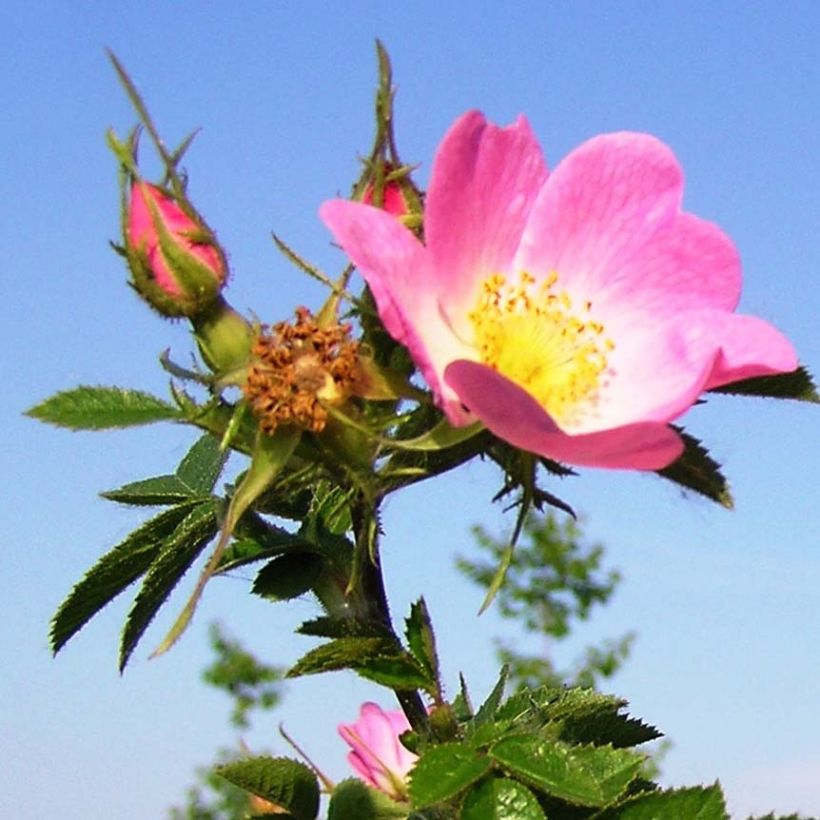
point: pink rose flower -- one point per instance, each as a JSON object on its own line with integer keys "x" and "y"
{"x": 176, "y": 265}
{"x": 378, "y": 757}
{"x": 575, "y": 313}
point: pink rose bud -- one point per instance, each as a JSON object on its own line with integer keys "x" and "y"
{"x": 176, "y": 264}
{"x": 392, "y": 198}
{"x": 377, "y": 755}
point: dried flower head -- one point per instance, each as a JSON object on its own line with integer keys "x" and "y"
{"x": 299, "y": 369}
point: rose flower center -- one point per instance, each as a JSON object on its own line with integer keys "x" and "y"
{"x": 533, "y": 334}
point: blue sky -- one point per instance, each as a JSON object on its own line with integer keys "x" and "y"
{"x": 725, "y": 604}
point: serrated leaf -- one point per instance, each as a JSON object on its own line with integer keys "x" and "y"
{"x": 584, "y": 775}
{"x": 462, "y": 705}
{"x": 327, "y": 627}
{"x": 500, "y": 798}
{"x": 102, "y": 408}
{"x": 160, "y": 490}
{"x": 178, "y": 552}
{"x": 488, "y": 709}
{"x": 353, "y": 800}
{"x": 585, "y": 716}
{"x": 288, "y": 576}
{"x": 202, "y": 465}
{"x": 115, "y": 571}
{"x": 697, "y": 470}
{"x": 331, "y": 506}
{"x": 284, "y": 782}
{"x": 443, "y": 772}
{"x": 698, "y": 803}
{"x": 420, "y": 638}
{"x": 376, "y": 659}
{"x": 797, "y": 385}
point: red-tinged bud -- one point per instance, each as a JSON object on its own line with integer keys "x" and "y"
{"x": 176, "y": 264}
{"x": 392, "y": 190}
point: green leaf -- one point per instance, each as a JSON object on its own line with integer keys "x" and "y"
{"x": 697, "y": 470}
{"x": 698, "y": 803}
{"x": 420, "y": 638}
{"x": 444, "y": 771}
{"x": 202, "y": 465}
{"x": 440, "y": 437}
{"x": 178, "y": 552}
{"x": 376, "y": 659}
{"x": 501, "y": 799}
{"x": 797, "y": 385}
{"x": 194, "y": 478}
{"x": 462, "y": 706}
{"x": 327, "y": 627}
{"x": 584, "y": 775}
{"x": 288, "y": 576}
{"x": 285, "y": 782}
{"x": 271, "y": 453}
{"x": 115, "y": 571}
{"x": 488, "y": 709}
{"x": 102, "y": 408}
{"x": 160, "y": 490}
{"x": 353, "y": 800}
{"x": 585, "y": 716}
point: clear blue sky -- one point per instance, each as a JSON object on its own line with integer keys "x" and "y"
{"x": 726, "y": 604}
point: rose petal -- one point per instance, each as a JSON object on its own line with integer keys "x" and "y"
{"x": 484, "y": 182}
{"x": 603, "y": 202}
{"x": 514, "y": 416}
{"x": 397, "y": 268}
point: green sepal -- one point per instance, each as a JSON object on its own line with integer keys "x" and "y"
{"x": 696, "y": 470}
{"x": 499, "y": 798}
{"x": 281, "y": 780}
{"x": 288, "y": 576}
{"x": 112, "y": 573}
{"x": 582, "y": 775}
{"x": 798, "y": 385}
{"x": 445, "y": 771}
{"x": 421, "y": 640}
{"x": 102, "y": 408}
{"x": 352, "y": 799}
{"x": 178, "y": 553}
{"x": 329, "y": 627}
{"x": 377, "y": 659}
{"x": 698, "y": 803}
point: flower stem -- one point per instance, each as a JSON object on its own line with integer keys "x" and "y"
{"x": 373, "y": 606}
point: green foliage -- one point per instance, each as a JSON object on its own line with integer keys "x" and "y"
{"x": 162, "y": 549}
{"x": 250, "y": 683}
{"x": 284, "y": 782}
{"x": 696, "y": 470}
{"x": 377, "y": 659}
{"x": 797, "y": 385}
{"x": 499, "y": 798}
{"x": 102, "y": 408}
{"x": 553, "y": 580}
{"x": 444, "y": 771}
{"x": 691, "y": 803}
{"x": 353, "y": 800}
{"x": 421, "y": 640}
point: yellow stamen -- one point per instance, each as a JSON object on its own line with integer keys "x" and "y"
{"x": 529, "y": 332}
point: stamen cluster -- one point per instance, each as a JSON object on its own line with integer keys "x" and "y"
{"x": 300, "y": 368}
{"x": 536, "y": 337}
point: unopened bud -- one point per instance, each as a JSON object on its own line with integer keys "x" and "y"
{"x": 176, "y": 265}
{"x": 393, "y": 191}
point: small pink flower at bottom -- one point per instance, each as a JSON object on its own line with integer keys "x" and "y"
{"x": 575, "y": 313}
{"x": 378, "y": 756}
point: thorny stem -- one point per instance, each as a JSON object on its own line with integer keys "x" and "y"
{"x": 373, "y": 604}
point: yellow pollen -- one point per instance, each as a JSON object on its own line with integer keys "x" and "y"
{"x": 529, "y": 332}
